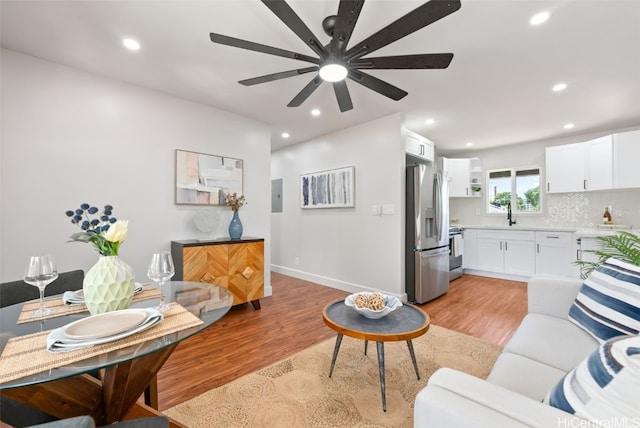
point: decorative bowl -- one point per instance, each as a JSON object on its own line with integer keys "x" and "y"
{"x": 391, "y": 303}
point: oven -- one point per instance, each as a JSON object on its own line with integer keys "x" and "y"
{"x": 456, "y": 245}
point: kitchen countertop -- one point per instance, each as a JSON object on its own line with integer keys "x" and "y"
{"x": 516, "y": 227}
{"x": 590, "y": 232}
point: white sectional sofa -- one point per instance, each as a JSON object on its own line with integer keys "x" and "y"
{"x": 544, "y": 348}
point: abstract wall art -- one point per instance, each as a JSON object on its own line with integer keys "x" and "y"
{"x": 334, "y": 188}
{"x": 203, "y": 179}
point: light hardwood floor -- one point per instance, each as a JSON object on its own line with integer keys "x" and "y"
{"x": 246, "y": 339}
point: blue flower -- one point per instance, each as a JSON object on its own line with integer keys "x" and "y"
{"x": 93, "y": 225}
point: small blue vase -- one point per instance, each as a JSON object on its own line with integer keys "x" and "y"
{"x": 235, "y": 227}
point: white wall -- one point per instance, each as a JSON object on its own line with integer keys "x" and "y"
{"x": 571, "y": 210}
{"x": 345, "y": 248}
{"x": 70, "y": 137}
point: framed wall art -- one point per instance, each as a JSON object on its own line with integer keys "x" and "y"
{"x": 328, "y": 189}
{"x": 203, "y": 179}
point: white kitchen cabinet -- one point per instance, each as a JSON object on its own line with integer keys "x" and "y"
{"x": 565, "y": 168}
{"x": 588, "y": 244}
{"x": 554, "y": 253}
{"x": 626, "y": 152}
{"x": 464, "y": 176}
{"x": 419, "y": 146}
{"x": 599, "y": 163}
{"x": 505, "y": 251}
{"x": 469, "y": 257}
{"x": 581, "y": 166}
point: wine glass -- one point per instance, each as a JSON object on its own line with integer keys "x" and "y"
{"x": 40, "y": 272}
{"x": 161, "y": 270}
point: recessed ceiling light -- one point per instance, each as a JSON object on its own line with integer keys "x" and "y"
{"x": 285, "y": 135}
{"x": 134, "y": 45}
{"x": 430, "y": 121}
{"x": 469, "y": 144}
{"x": 539, "y": 18}
{"x": 315, "y": 112}
{"x": 569, "y": 126}
{"x": 558, "y": 87}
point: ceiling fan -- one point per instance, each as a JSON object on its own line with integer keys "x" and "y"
{"x": 335, "y": 62}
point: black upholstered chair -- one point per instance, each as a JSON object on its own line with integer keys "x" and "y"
{"x": 11, "y": 293}
{"x": 19, "y": 291}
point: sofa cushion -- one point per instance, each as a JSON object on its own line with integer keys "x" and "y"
{"x": 524, "y": 375}
{"x": 552, "y": 341}
{"x": 603, "y": 387}
{"x": 608, "y": 304}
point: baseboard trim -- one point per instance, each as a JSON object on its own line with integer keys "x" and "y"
{"x": 499, "y": 275}
{"x": 330, "y": 282}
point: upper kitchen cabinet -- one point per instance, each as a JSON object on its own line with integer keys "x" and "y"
{"x": 465, "y": 177}
{"x": 580, "y": 167}
{"x": 419, "y": 146}
{"x": 626, "y": 152}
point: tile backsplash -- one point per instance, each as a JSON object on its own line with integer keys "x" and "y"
{"x": 563, "y": 210}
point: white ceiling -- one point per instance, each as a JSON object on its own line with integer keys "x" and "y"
{"x": 496, "y": 91}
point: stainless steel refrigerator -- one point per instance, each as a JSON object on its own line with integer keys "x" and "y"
{"x": 427, "y": 233}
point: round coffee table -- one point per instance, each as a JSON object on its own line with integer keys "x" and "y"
{"x": 405, "y": 323}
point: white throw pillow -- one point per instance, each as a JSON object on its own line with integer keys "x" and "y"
{"x": 608, "y": 304}
{"x": 605, "y": 387}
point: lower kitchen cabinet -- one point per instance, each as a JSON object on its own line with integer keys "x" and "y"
{"x": 511, "y": 252}
{"x": 521, "y": 253}
{"x": 470, "y": 253}
{"x": 237, "y": 265}
{"x": 554, "y": 251}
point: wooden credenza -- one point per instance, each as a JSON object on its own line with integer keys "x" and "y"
{"x": 237, "y": 265}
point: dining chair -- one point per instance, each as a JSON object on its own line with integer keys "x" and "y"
{"x": 19, "y": 291}
{"x": 11, "y": 293}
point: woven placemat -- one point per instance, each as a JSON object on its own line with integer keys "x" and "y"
{"x": 56, "y": 303}
{"x": 28, "y": 355}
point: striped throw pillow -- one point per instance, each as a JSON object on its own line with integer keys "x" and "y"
{"x": 608, "y": 303}
{"x": 604, "y": 387}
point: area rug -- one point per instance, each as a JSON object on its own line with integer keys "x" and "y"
{"x": 297, "y": 392}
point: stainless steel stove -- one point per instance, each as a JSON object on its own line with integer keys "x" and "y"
{"x": 456, "y": 245}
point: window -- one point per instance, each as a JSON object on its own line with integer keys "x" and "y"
{"x": 519, "y": 187}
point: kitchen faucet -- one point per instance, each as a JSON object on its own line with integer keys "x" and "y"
{"x": 510, "y": 215}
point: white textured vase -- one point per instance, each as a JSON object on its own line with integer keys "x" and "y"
{"x": 108, "y": 285}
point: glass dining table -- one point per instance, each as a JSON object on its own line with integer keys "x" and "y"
{"x": 124, "y": 374}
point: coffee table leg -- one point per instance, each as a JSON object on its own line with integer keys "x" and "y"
{"x": 413, "y": 358}
{"x": 366, "y": 342}
{"x": 380, "y": 346}
{"x": 335, "y": 353}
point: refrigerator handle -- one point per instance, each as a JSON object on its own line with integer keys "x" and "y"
{"x": 438, "y": 206}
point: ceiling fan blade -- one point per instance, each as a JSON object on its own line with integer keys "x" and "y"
{"x": 276, "y": 76}
{"x": 257, "y": 47}
{"x": 283, "y": 11}
{"x": 418, "y": 18}
{"x": 342, "y": 95}
{"x": 305, "y": 92}
{"x": 421, "y": 61}
{"x": 348, "y": 13}
{"x": 375, "y": 84}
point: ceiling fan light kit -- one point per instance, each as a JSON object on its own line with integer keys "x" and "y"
{"x": 333, "y": 72}
{"x": 336, "y": 62}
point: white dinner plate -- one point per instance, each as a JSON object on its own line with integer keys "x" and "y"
{"x": 103, "y": 325}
